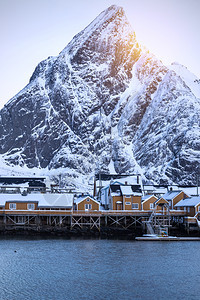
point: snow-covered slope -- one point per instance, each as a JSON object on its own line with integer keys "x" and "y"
{"x": 191, "y": 80}
{"x": 104, "y": 103}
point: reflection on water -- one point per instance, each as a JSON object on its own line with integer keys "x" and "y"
{"x": 98, "y": 269}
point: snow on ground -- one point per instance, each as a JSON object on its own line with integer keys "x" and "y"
{"x": 68, "y": 178}
{"x": 111, "y": 167}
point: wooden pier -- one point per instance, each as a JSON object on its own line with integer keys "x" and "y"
{"x": 69, "y": 220}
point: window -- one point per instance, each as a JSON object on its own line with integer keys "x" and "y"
{"x": 88, "y": 200}
{"x": 151, "y": 205}
{"x": 88, "y": 206}
{"x": 127, "y": 196}
{"x": 199, "y": 208}
{"x": 31, "y": 206}
{"x": 135, "y": 206}
{"x": 128, "y": 203}
{"x": 12, "y": 206}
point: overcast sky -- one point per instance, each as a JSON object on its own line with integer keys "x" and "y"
{"x": 32, "y": 30}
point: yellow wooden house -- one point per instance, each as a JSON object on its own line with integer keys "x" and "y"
{"x": 124, "y": 197}
{"x": 86, "y": 203}
{"x": 148, "y": 202}
{"x": 13, "y": 202}
{"x": 161, "y": 205}
{"x": 190, "y": 205}
{"x": 173, "y": 197}
{"x": 36, "y": 201}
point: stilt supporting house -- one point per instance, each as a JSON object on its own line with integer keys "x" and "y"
{"x": 47, "y": 220}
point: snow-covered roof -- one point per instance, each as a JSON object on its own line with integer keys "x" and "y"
{"x": 56, "y": 200}
{"x": 19, "y": 198}
{"x": 126, "y": 190}
{"x": 137, "y": 194}
{"x": 80, "y": 199}
{"x": 160, "y": 190}
{"x": 115, "y": 194}
{"x": 155, "y": 189}
{"x": 44, "y": 200}
{"x": 111, "y": 183}
{"x": 171, "y": 195}
{"x": 193, "y": 201}
{"x": 190, "y": 190}
{"x": 130, "y": 180}
{"x": 161, "y": 198}
{"x": 147, "y": 197}
{"x": 149, "y": 187}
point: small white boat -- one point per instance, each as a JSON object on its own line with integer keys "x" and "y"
{"x": 155, "y": 237}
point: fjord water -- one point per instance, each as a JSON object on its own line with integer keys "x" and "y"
{"x": 98, "y": 269}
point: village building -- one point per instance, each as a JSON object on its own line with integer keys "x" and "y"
{"x": 36, "y": 201}
{"x": 104, "y": 181}
{"x": 86, "y": 203}
{"x": 104, "y": 194}
{"x": 157, "y": 190}
{"x": 14, "y": 202}
{"x": 173, "y": 197}
{"x": 125, "y": 197}
{"x": 190, "y": 205}
{"x": 161, "y": 205}
{"x": 148, "y": 202}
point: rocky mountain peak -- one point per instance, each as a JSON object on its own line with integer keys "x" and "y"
{"x": 105, "y": 104}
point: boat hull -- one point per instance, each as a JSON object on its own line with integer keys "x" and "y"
{"x": 166, "y": 238}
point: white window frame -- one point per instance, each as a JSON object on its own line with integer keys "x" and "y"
{"x": 128, "y": 196}
{"x": 30, "y": 206}
{"x": 88, "y": 206}
{"x": 88, "y": 200}
{"x": 151, "y": 206}
{"x": 128, "y": 203}
{"x": 12, "y": 206}
{"x": 134, "y": 204}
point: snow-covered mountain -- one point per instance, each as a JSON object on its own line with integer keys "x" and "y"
{"x": 104, "y": 103}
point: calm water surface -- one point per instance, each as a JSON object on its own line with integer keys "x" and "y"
{"x": 98, "y": 269}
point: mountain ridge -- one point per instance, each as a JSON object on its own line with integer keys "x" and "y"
{"x": 105, "y": 101}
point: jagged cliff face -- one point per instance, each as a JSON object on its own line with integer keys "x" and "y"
{"x": 105, "y": 103}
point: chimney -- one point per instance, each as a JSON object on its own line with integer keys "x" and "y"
{"x": 126, "y": 183}
{"x": 138, "y": 179}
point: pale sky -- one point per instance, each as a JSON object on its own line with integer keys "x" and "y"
{"x": 32, "y": 30}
